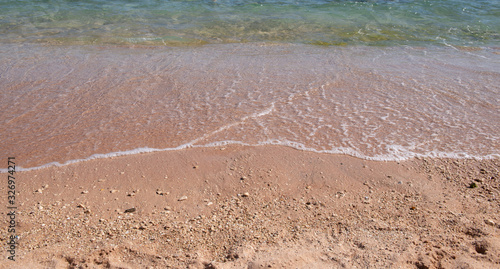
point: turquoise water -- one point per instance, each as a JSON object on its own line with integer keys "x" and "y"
{"x": 340, "y": 22}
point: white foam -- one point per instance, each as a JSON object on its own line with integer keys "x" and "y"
{"x": 397, "y": 153}
{"x": 100, "y": 156}
{"x": 228, "y": 126}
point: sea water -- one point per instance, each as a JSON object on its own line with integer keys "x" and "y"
{"x": 190, "y": 22}
{"x": 381, "y": 80}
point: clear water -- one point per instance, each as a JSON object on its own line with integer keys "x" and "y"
{"x": 320, "y": 22}
{"x": 381, "y": 80}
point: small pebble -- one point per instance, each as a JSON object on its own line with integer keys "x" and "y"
{"x": 182, "y": 198}
{"x": 160, "y": 192}
{"x": 130, "y": 210}
{"x": 490, "y": 222}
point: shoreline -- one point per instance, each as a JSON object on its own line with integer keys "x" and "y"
{"x": 353, "y": 154}
{"x": 258, "y": 206}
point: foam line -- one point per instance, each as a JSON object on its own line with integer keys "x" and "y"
{"x": 403, "y": 153}
{"x": 99, "y": 156}
{"x": 147, "y": 150}
{"x": 225, "y": 127}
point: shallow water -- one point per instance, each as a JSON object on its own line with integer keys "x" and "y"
{"x": 320, "y": 22}
{"x": 63, "y": 103}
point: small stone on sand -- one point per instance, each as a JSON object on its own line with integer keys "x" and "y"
{"x": 130, "y": 210}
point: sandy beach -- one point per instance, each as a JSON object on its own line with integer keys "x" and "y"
{"x": 257, "y": 207}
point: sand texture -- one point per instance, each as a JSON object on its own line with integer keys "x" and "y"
{"x": 257, "y": 207}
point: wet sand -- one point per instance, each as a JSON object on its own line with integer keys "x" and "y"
{"x": 257, "y": 207}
